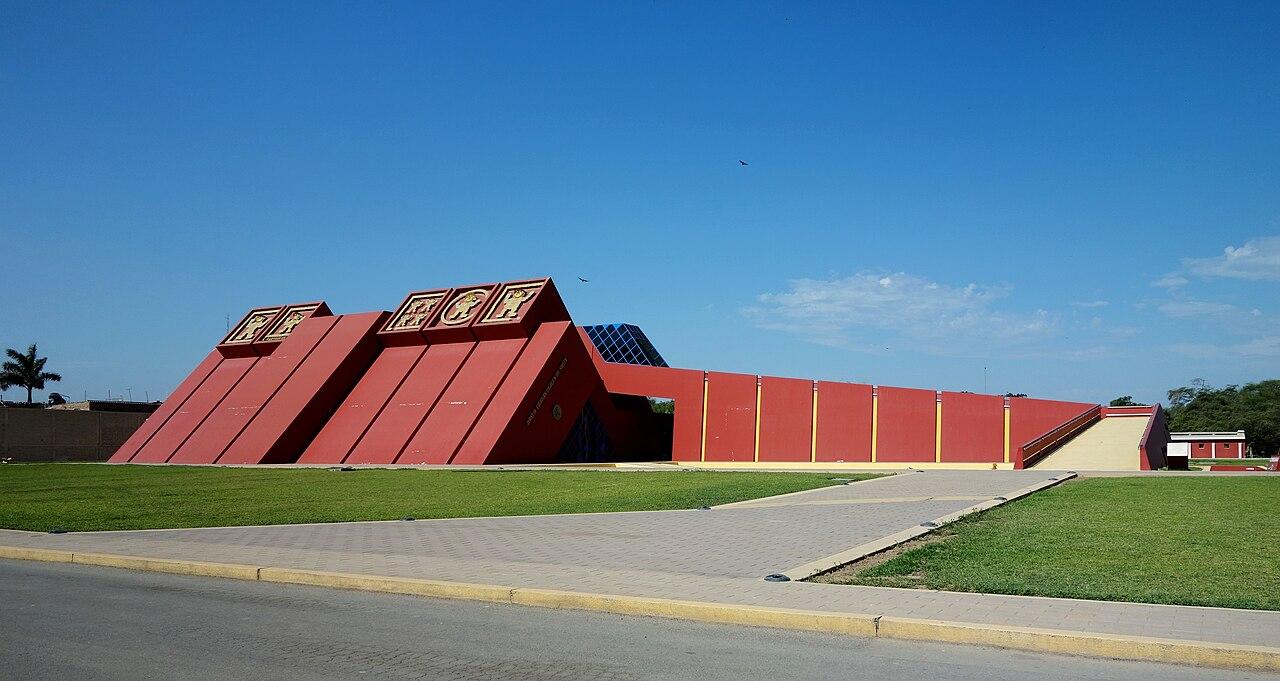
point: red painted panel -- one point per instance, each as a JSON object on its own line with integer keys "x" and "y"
{"x": 907, "y": 421}
{"x": 282, "y": 428}
{"x": 362, "y": 405}
{"x": 731, "y": 416}
{"x": 1030, "y": 418}
{"x": 682, "y": 385}
{"x": 449, "y": 422}
{"x": 410, "y": 404}
{"x": 844, "y": 421}
{"x": 972, "y": 428}
{"x": 195, "y": 410}
{"x": 532, "y": 411}
{"x": 155, "y": 422}
{"x": 248, "y": 397}
{"x": 786, "y": 419}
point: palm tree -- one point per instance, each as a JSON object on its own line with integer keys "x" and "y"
{"x": 26, "y": 370}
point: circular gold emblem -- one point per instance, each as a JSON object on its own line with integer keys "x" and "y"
{"x": 556, "y": 412}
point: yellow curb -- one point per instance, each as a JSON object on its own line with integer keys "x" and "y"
{"x": 46, "y": 555}
{"x": 1117, "y": 646}
{"x": 719, "y": 613}
{"x": 177, "y": 567}
{"x": 398, "y": 585}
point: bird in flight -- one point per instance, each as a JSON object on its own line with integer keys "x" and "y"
{"x": 582, "y": 280}
{"x": 742, "y": 162}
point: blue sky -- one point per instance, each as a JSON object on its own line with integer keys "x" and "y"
{"x": 1085, "y": 199}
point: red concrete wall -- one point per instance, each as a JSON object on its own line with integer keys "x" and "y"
{"x": 171, "y": 405}
{"x": 1030, "y": 418}
{"x": 731, "y": 417}
{"x": 537, "y": 403}
{"x": 362, "y": 405}
{"x": 244, "y": 401}
{"x": 907, "y": 421}
{"x": 280, "y": 430}
{"x": 409, "y": 405}
{"x": 972, "y": 428}
{"x": 449, "y": 422}
{"x": 682, "y": 385}
{"x": 786, "y": 419}
{"x": 1228, "y": 450}
{"x": 844, "y": 421}
{"x": 195, "y": 410}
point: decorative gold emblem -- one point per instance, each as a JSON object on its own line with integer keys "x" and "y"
{"x": 464, "y": 306}
{"x": 511, "y": 301}
{"x": 251, "y": 325}
{"x": 293, "y": 316}
{"x": 415, "y": 312}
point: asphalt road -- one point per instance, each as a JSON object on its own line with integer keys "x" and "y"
{"x": 60, "y": 621}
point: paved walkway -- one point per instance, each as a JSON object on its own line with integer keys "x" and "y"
{"x": 718, "y": 555}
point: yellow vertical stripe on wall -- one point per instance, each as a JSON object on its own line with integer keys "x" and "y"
{"x": 937, "y": 433}
{"x": 756, "y": 455}
{"x": 875, "y": 424}
{"x": 813, "y": 429}
{"x": 702, "y": 456}
{"x": 1006, "y": 433}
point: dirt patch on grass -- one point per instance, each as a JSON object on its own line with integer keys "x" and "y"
{"x": 848, "y": 573}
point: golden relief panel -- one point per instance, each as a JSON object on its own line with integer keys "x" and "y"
{"x": 511, "y": 302}
{"x": 292, "y": 317}
{"x": 464, "y": 306}
{"x": 415, "y": 312}
{"x": 251, "y": 325}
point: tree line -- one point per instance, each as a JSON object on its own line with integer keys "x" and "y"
{"x": 1253, "y": 408}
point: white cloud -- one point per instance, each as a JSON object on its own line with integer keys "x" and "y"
{"x": 940, "y": 318}
{"x": 1195, "y": 308}
{"x": 1092, "y": 303}
{"x": 1259, "y": 348}
{"x": 1257, "y": 259}
{"x": 1170, "y": 281}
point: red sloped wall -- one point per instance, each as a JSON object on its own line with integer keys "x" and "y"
{"x": 1029, "y": 418}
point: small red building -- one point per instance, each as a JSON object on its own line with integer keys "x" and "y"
{"x": 1217, "y": 445}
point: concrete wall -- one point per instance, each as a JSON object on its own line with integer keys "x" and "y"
{"x": 64, "y": 434}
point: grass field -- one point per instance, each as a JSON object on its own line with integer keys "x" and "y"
{"x": 1189, "y": 541}
{"x": 1230, "y": 462}
{"x": 79, "y": 497}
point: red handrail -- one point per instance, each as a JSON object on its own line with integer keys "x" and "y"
{"x": 1033, "y": 450}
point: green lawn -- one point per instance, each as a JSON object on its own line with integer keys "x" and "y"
{"x": 80, "y": 497}
{"x": 1190, "y": 541}
{"x": 1230, "y": 462}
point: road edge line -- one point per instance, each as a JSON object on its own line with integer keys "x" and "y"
{"x": 1053, "y": 641}
{"x": 1085, "y": 644}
